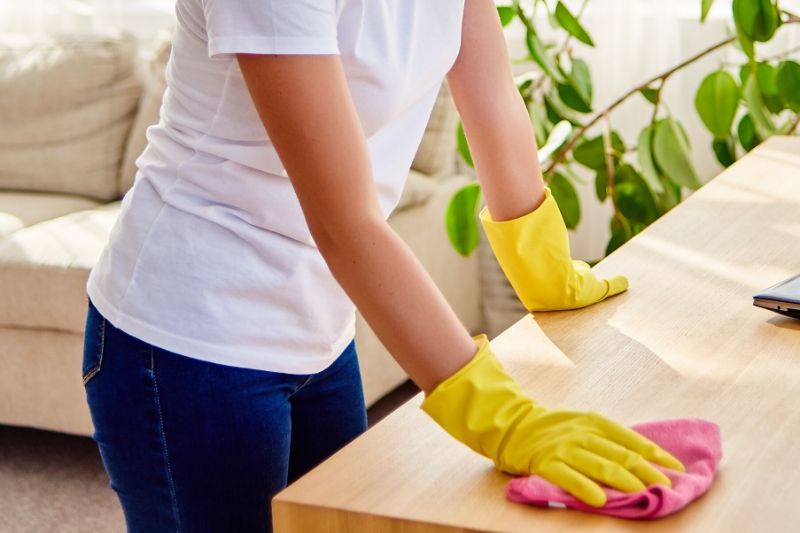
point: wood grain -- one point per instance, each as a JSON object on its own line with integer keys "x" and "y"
{"x": 685, "y": 340}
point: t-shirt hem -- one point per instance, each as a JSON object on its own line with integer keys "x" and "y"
{"x": 239, "y": 357}
{"x": 257, "y": 44}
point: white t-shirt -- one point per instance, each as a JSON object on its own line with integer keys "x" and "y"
{"x": 211, "y": 256}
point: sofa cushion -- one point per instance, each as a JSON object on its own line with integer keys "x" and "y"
{"x": 44, "y": 268}
{"x": 66, "y": 106}
{"x": 436, "y": 155}
{"x": 417, "y": 189}
{"x": 149, "y": 108}
{"x": 19, "y": 209}
{"x": 40, "y": 385}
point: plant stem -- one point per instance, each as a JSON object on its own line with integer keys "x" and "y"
{"x": 657, "y": 103}
{"x": 521, "y": 15}
{"x": 538, "y": 84}
{"x": 793, "y": 125}
{"x": 609, "y": 160}
{"x": 559, "y": 157}
{"x": 780, "y": 55}
{"x": 611, "y": 176}
{"x": 791, "y": 17}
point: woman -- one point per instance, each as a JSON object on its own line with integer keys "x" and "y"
{"x": 219, "y": 354}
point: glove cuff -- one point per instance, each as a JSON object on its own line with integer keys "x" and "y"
{"x": 533, "y": 252}
{"x": 478, "y": 360}
{"x": 544, "y": 210}
{"x": 479, "y": 403}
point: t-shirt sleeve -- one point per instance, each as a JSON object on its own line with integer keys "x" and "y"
{"x": 271, "y": 26}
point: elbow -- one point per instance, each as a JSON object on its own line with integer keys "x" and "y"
{"x": 352, "y": 234}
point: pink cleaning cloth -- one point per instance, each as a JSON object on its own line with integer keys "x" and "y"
{"x": 698, "y": 445}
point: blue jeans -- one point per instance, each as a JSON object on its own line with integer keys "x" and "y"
{"x": 194, "y": 446}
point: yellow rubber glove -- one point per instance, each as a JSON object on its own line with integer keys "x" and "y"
{"x": 483, "y": 407}
{"x": 533, "y": 251}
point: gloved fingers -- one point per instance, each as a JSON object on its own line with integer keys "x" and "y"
{"x": 640, "y": 444}
{"x": 631, "y": 461}
{"x": 574, "y": 482}
{"x": 603, "y": 470}
{"x": 616, "y": 285}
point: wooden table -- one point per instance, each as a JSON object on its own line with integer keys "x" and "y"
{"x": 685, "y": 340}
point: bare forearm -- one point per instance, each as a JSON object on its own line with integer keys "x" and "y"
{"x": 494, "y": 115}
{"x": 506, "y": 160}
{"x": 400, "y": 301}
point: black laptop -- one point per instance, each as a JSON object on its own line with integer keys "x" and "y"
{"x": 783, "y": 298}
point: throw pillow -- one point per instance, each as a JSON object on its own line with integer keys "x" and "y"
{"x": 66, "y": 105}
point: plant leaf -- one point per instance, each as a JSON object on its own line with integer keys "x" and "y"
{"x": 756, "y": 19}
{"x": 577, "y": 93}
{"x": 581, "y": 79}
{"x": 571, "y": 98}
{"x": 567, "y": 199}
{"x": 650, "y": 94}
{"x": 747, "y": 45}
{"x": 538, "y": 116}
{"x": 553, "y": 111}
{"x": 633, "y": 196}
{"x": 601, "y": 184}
{"x": 558, "y": 136}
{"x": 746, "y": 132}
{"x": 573, "y": 176}
{"x": 461, "y": 219}
{"x": 542, "y": 56}
{"x": 723, "y": 149}
{"x": 787, "y": 81}
{"x": 705, "y": 8}
{"x": 551, "y": 20}
{"x": 671, "y": 195}
{"x": 755, "y": 104}
{"x": 557, "y": 110}
{"x": 506, "y": 14}
{"x": 646, "y": 162}
{"x": 716, "y": 102}
{"x": 591, "y": 153}
{"x": 463, "y": 146}
{"x": 568, "y": 21}
{"x": 767, "y": 76}
{"x": 744, "y": 73}
{"x": 618, "y": 237}
{"x": 672, "y": 153}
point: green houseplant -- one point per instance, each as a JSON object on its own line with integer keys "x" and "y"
{"x": 741, "y": 105}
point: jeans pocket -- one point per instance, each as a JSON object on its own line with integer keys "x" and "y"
{"x": 93, "y": 343}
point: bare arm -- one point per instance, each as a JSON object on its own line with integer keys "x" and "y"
{"x": 321, "y": 144}
{"x": 496, "y": 121}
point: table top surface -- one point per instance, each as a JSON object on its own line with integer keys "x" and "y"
{"x": 683, "y": 341}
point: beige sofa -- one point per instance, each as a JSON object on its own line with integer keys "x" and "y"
{"x": 73, "y": 111}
